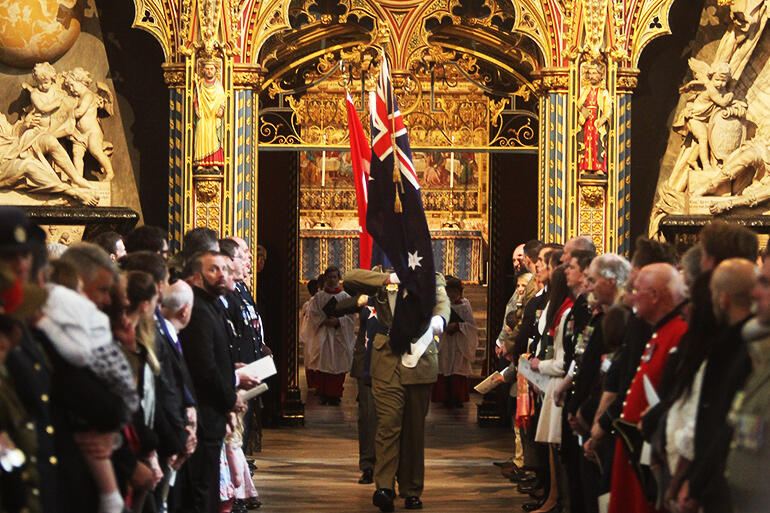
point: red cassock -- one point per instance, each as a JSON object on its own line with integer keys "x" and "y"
{"x": 627, "y": 495}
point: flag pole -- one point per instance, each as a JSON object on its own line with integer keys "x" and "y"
{"x": 397, "y": 207}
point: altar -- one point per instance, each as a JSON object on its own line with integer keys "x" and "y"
{"x": 455, "y": 252}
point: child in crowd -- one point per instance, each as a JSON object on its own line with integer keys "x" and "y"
{"x": 81, "y": 335}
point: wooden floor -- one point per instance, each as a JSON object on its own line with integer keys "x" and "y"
{"x": 315, "y": 468}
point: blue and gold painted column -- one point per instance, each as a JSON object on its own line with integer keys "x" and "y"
{"x": 174, "y": 75}
{"x": 552, "y": 86}
{"x": 246, "y": 81}
{"x": 625, "y": 84}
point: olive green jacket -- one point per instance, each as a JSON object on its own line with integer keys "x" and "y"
{"x": 384, "y": 362}
{"x": 749, "y": 457}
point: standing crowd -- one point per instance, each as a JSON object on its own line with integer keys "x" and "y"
{"x": 124, "y": 383}
{"x": 640, "y": 386}
{"x": 633, "y": 386}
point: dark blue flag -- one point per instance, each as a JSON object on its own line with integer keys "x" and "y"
{"x": 395, "y": 217}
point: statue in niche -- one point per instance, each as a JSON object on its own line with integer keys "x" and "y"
{"x": 709, "y": 101}
{"x": 88, "y": 133}
{"x": 24, "y": 153}
{"x": 594, "y": 111}
{"x": 209, "y": 112}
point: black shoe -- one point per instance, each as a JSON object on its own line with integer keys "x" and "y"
{"x": 367, "y": 477}
{"x": 253, "y": 503}
{"x": 503, "y": 463}
{"x": 383, "y": 499}
{"x": 528, "y": 487}
{"x": 334, "y": 401}
{"x": 239, "y": 506}
{"x": 412, "y": 502}
{"x": 532, "y": 506}
{"x": 555, "y": 509}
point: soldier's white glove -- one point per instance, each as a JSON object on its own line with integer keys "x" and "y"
{"x": 437, "y": 324}
{"x": 394, "y": 279}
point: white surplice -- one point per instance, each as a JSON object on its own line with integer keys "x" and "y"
{"x": 334, "y": 345}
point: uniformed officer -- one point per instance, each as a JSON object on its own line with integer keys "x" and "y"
{"x": 749, "y": 456}
{"x": 19, "y": 478}
{"x": 401, "y": 393}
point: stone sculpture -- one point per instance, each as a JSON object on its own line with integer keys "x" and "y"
{"x": 62, "y": 106}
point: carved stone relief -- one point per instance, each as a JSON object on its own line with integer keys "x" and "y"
{"x": 718, "y": 152}
{"x": 42, "y": 154}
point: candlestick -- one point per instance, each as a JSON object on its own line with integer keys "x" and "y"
{"x": 323, "y": 165}
{"x": 452, "y": 166}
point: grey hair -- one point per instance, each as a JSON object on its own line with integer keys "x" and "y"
{"x": 89, "y": 259}
{"x": 612, "y": 267}
{"x": 177, "y": 296}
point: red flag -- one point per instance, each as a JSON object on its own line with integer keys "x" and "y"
{"x": 360, "y": 155}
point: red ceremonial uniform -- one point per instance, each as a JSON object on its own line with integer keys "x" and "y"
{"x": 627, "y": 495}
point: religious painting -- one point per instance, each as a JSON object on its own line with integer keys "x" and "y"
{"x": 444, "y": 176}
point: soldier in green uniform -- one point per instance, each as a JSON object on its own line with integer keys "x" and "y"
{"x": 19, "y": 476}
{"x": 401, "y": 393}
{"x": 749, "y": 457}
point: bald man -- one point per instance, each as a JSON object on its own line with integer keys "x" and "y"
{"x": 727, "y": 367}
{"x": 518, "y": 260}
{"x": 658, "y": 290}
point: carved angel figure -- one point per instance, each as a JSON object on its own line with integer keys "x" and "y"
{"x": 48, "y": 102}
{"x": 89, "y": 135}
{"x": 709, "y": 94}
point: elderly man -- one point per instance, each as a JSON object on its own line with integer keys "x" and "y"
{"x": 605, "y": 278}
{"x": 658, "y": 290}
{"x": 176, "y": 307}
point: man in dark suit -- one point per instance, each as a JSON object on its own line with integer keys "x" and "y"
{"x": 206, "y": 349}
{"x": 176, "y": 309}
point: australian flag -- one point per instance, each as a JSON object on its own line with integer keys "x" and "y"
{"x": 395, "y": 217}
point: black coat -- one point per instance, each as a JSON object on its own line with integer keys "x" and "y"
{"x": 170, "y": 416}
{"x": 31, "y": 375}
{"x": 206, "y": 347}
{"x": 587, "y": 367}
{"x": 79, "y": 402}
{"x": 528, "y": 327}
{"x": 727, "y": 369}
